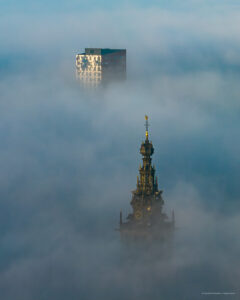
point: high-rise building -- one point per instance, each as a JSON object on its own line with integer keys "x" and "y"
{"x": 147, "y": 218}
{"x": 98, "y": 66}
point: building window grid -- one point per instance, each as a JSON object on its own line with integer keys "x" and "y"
{"x": 92, "y": 73}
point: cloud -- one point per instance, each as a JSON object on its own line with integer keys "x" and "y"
{"x": 69, "y": 159}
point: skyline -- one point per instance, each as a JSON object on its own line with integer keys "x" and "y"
{"x": 68, "y": 159}
{"x": 164, "y": 32}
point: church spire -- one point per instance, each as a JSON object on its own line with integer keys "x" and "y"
{"x": 146, "y": 125}
{"x": 146, "y": 183}
{"x": 146, "y": 200}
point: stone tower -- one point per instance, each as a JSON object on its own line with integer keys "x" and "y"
{"x": 147, "y": 217}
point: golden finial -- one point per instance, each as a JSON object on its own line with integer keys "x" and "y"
{"x": 146, "y": 125}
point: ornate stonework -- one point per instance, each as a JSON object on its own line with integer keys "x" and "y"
{"x": 147, "y": 216}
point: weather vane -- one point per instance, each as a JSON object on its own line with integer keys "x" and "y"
{"x": 146, "y": 125}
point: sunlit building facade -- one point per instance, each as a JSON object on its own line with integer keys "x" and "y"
{"x": 98, "y": 66}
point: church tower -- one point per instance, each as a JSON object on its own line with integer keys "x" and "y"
{"x": 147, "y": 217}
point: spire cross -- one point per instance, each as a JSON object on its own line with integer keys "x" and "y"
{"x": 146, "y": 125}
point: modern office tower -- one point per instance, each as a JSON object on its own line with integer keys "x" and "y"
{"x": 98, "y": 66}
{"x": 147, "y": 220}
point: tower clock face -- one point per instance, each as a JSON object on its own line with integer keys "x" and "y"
{"x": 138, "y": 214}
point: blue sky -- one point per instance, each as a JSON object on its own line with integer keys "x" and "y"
{"x": 13, "y": 6}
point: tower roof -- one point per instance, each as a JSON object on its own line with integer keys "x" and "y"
{"x": 146, "y": 200}
{"x": 102, "y": 51}
{"x": 146, "y": 147}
